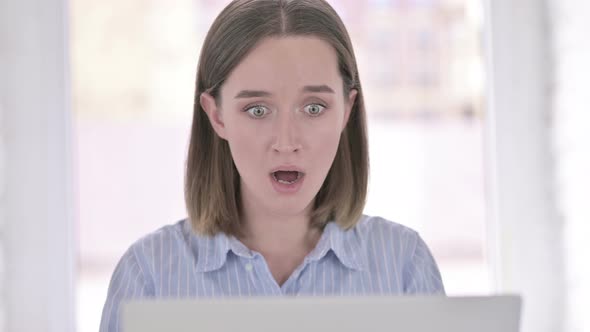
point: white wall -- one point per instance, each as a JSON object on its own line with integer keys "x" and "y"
{"x": 525, "y": 230}
{"x": 570, "y": 21}
{"x": 2, "y": 222}
{"x": 36, "y": 208}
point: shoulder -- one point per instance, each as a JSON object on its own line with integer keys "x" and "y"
{"x": 163, "y": 237}
{"x": 138, "y": 271}
{"x": 382, "y": 241}
{"x": 149, "y": 250}
{"x": 375, "y": 228}
{"x": 160, "y": 246}
{"x": 400, "y": 252}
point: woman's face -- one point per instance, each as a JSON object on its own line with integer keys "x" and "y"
{"x": 282, "y": 108}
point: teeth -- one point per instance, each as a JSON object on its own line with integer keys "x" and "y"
{"x": 287, "y": 182}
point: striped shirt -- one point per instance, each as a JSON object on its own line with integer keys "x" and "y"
{"x": 376, "y": 256}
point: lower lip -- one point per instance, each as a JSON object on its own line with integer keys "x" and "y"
{"x": 287, "y": 188}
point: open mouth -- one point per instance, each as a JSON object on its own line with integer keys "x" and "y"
{"x": 287, "y": 177}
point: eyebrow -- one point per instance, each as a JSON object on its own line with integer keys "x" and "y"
{"x": 259, "y": 93}
{"x": 252, "y": 94}
{"x": 318, "y": 88}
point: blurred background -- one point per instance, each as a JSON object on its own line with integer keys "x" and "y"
{"x": 478, "y": 139}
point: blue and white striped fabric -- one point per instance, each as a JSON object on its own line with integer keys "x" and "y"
{"x": 377, "y": 256}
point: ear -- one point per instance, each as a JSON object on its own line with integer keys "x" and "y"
{"x": 348, "y": 107}
{"x": 213, "y": 113}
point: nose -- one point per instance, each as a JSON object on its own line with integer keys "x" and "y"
{"x": 286, "y": 138}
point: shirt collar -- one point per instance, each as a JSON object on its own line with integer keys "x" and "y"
{"x": 345, "y": 244}
{"x": 212, "y": 252}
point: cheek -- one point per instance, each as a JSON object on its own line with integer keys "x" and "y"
{"x": 245, "y": 146}
{"x": 325, "y": 145}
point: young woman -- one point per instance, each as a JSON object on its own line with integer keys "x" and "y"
{"x": 276, "y": 174}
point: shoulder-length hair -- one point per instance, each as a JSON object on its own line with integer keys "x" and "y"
{"x": 212, "y": 186}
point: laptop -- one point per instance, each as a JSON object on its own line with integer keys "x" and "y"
{"x": 315, "y": 314}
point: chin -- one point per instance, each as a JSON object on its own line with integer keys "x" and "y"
{"x": 289, "y": 206}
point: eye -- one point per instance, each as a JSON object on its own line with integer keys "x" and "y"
{"x": 257, "y": 112}
{"x": 314, "y": 109}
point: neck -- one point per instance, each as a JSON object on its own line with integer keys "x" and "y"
{"x": 279, "y": 235}
{"x": 283, "y": 239}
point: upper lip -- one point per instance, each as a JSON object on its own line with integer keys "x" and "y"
{"x": 288, "y": 168}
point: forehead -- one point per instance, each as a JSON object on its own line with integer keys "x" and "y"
{"x": 286, "y": 64}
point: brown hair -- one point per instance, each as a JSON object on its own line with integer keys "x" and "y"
{"x": 212, "y": 186}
